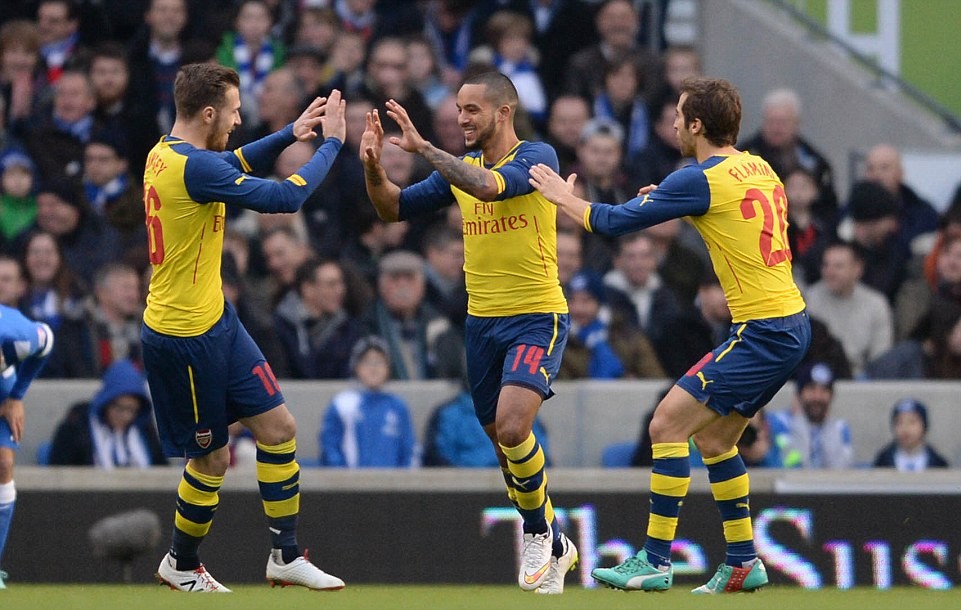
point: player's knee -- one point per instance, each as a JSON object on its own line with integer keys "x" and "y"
{"x": 214, "y": 463}
{"x": 667, "y": 429}
{"x": 709, "y": 446}
{"x": 280, "y": 431}
{"x": 659, "y": 429}
{"x": 706, "y": 445}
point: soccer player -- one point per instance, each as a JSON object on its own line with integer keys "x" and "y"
{"x": 517, "y": 319}
{"x": 24, "y": 348}
{"x": 203, "y": 368}
{"x": 737, "y": 204}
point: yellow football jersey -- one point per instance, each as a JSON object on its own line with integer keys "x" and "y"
{"x": 510, "y": 244}
{"x": 737, "y": 204}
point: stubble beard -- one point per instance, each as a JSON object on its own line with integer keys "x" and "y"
{"x": 481, "y": 138}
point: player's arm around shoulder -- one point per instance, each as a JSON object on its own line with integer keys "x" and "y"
{"x": 560, "y": 192}
{"x": 514, "y": 176}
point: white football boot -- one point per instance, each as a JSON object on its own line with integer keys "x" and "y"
{"x": 300, "y": 572}
{"x": 192, "y": 581}
{"x": 554, "y": 582}
{"x": 535, "y": 559}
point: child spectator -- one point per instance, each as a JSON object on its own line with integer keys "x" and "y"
{"x": 252, "y": 51}
{"x": 512, "y": 52}
{"x": 909, "y": 452}
{"x": 18, "y": 206}
{"x": 366, "y": 427}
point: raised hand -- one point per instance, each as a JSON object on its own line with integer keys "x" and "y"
{"x": 549, "y": 183}
{"x": 309, "y": 119}
{"x": 334, "y": 120}
{"x": 372, "y": 141}
{"x": 409, "y": 140}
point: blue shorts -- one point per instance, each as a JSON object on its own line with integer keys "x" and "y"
{"x": 6, "y": 436}
{"x": 522, "y": 350}
{"x": 6, "y": 384}
{"x": 200, "y": 385}
{"x": 747, "y": 370}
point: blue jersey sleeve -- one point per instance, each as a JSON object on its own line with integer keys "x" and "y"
{"x": 209, "y": 177}
{"x": 424, "y": 197}
{"x": 515, "y": 172}
{"x": 683, "y": 193}
{"x": 259, "y": 156}
{"x": 25, "y": 345}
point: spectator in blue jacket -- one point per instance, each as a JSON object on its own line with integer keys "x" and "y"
{"x": 114, "y": 429}
{"x": 455, "y": 438}
{"x": 366, "y": 427}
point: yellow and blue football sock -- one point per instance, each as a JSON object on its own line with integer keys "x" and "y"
{"x": 731, "y": 488}
{"x": 529, "y": 482}
{"x": 197, "y": 498}
{"x": 670, "y": 480}
{"x": 549, "y": 516}
{"x": 278, "y": 475}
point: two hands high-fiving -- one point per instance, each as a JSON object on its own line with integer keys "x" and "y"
{"x": 328, "y": 112}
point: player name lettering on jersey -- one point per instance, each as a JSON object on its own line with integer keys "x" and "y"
{"x": 155, "y": 164}
{"x": 747, "y": 169}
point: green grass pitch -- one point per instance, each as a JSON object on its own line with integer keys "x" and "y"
{"x": 427, "y": 597}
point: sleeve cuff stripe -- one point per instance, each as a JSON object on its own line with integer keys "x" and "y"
{"x": 296, "y": 179}
{"x": 243, "y": 162}
{"x": 500, "y": 182}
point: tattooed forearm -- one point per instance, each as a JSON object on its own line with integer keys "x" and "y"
{"x": 373, "y": 176}
{"x": 469, "y": 178}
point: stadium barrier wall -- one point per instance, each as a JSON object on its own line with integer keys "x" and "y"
{"x": 583, "y": 417}
{"x": 813, "y": 529}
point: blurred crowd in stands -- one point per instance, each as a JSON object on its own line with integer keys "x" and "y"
{"x": 86, "y": 89}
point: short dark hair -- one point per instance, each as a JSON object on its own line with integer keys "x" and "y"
{"x": 200, "y": 85}
{"x": 306, "y": 272}
{"x": 109, "y": 49}
{"x": 498, "y": 88}
{"x": 840, "y": 244}
{"x": 717, "y": 103}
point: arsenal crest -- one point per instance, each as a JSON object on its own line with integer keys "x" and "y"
{"x": 203, "y": 437}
